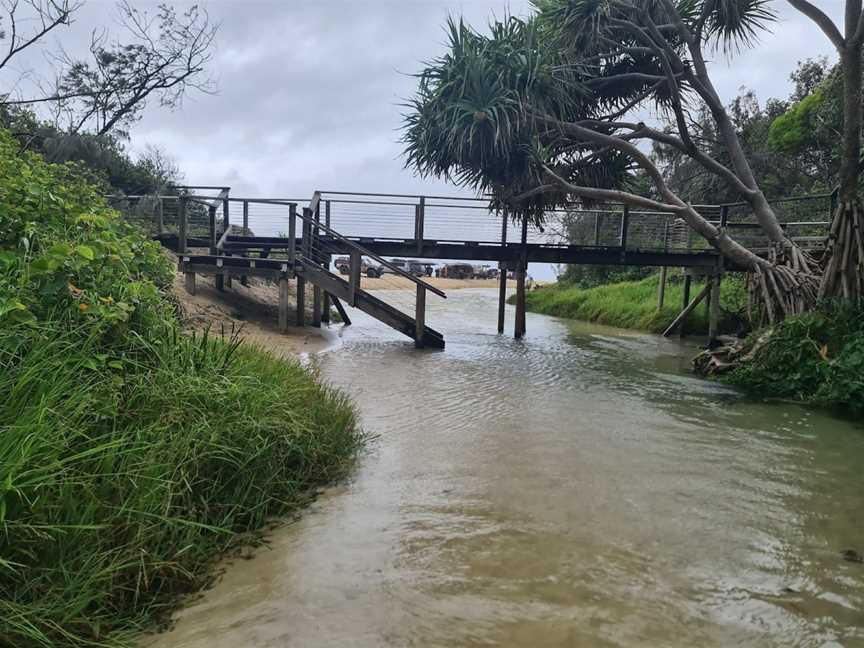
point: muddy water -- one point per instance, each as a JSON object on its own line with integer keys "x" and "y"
{"x": 574, "y": 489}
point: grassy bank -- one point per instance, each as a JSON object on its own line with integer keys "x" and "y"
{"x": 631, "y": 304}
{"x": 131, "y": 454}
{"x": 817, "y": 358}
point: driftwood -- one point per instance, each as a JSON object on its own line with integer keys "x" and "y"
{"x": 728, "y": 354}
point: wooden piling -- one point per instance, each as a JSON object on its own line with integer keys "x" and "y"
{"x": 688, "y": 279}
{"x": 190, "y": 282}
{"x": 502, "y": 277}
{"x": 661, "y": 288}
{"x": 714, "y": 308}
{"x": 317, "y": 303}
{"x": 420, "y": 317}
{"x": 283, "y": 304}
{"x": 521, "y": 272}
{"x": 301, "y": 300}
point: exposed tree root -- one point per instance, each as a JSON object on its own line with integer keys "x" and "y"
{"x": 789, "y": 286}
{"x": 843, "y": 262}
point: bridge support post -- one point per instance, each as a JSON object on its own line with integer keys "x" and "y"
{"x": 521, "y": 271}
{"x": 301, "y": 300}
{"x": 420, "y": 317}
{"x": 688, "y": 279}
{"x": 317, "y": 303}
{"x": 226, "y": 227}
{"x": 283, "y": 304}
{"x": 714, "y": 309}
{"x": 502, "y": 294}
{"x": 502, "y": 274}
{"x": 661, "y": 288}
{"x": 190, "y": 282}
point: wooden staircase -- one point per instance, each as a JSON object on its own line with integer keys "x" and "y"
{"x": 237, "y": 255}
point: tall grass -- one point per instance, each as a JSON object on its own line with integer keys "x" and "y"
{"x": 632, "y": 304}
{"x": 125, "y": 469}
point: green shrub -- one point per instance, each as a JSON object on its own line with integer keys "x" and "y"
{"x": 131, "y": 455}
{"x": 815, "y": 358}
{"x": 631, "y": 304}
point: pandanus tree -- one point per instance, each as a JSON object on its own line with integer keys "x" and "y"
{"x": 542, "y": 112}
{"x": 844, "y": 260}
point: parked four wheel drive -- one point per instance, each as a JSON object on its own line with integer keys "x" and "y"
{"x": 371, "y": 270}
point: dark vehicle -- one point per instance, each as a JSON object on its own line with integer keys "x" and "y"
{"x": 458, "y": 271}
{"x": 417, "y": 269}
{"x": 402, "y": 264}
{"x": 371, "y": 270}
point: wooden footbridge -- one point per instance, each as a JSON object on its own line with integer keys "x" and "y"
{"x": 286, "y": 240}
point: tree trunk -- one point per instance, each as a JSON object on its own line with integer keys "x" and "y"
{"x": 843, "y": 262}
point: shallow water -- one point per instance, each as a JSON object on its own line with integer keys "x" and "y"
{"x": 577, "y": 488}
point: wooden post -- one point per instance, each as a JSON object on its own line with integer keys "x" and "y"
{"x": 597, "y": 216}
{"x": 283, "y": 303}
{"x": 316, "y": 290}
{"x": 292, "y": 235}
{"x": 625, "y": 223}
{"x": 724, "y": 216}
{"x": 245, "y": 218}
{"x": 420, "y": 316}
{"x": 353, "y": 277}
{"x": 161, "y": 222}
{"x": 419, "y": 218}
{"x": 521, "y": 272}
{"x": 190, "y": 282}
{"x": 682, "y": 316}
{"x": 688, "y": 279}
{"x": 301, "y": 300}
{"x": 305, "y": 243}
{"x": 661, "y": 289}
{"x": 327, "y": 213}
{"x": 211, "y": 212}
{"x": 316, "y": 306}
{"x": 181, "y": 226}
{"x": 226, "y": 215}
{"x": 502, "y": 278}
{"x": 714, "y": 309}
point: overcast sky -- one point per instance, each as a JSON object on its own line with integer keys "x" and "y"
{"x": 309, "y": 90}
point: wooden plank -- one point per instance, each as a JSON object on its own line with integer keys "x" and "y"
{"x": 341, "y": 310}
{"x": 354, "y": 277}
{"x": 283, "y": 304}
{"x": 682, "y": 316}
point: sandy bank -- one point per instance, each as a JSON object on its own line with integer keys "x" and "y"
{"x": 252, "y": 310}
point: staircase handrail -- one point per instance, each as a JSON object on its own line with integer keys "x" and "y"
{"x": 363, "y": 251}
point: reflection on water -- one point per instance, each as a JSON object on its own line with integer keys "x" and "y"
{"x": 577, "y": 488}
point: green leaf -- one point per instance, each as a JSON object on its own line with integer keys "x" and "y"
{"x": 86, "y": 252}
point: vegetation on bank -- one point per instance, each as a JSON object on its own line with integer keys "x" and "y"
{"x": 816, "y": 358}
{"x": 633, "y": 304}
{"x": 131, "y": 454}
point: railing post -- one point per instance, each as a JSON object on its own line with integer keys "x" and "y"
{"x": 316, "y": 290}
{"x": 419, "y": 218}
{"x": 161, "y": 222}
{"x": 834, "y": 196}
{"x": 625, "y": 223}
{"x": 327, "y": 213}
{"x": 245, "y": 218}
{"x": 354, "y": 277}
{"x": 521, "y": 271}
{"x": 597, "y": 216}
{"x": 305, "y": 243}
{"x": 211, "y": 211}
{"x": 181, "y": 226}
{"x": 724, "y": 216}
{"x": 420, "y": 317}
{"x": 502, "y": 269}
{"x": 292, "y": 234}
{"x": 325, "y": 307}
{"x": 226, "y": 215}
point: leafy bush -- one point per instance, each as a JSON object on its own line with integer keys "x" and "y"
{"x": 816, "y": 358}
{"x": 631, "y": 304}
{"x": 131, "y": 455}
